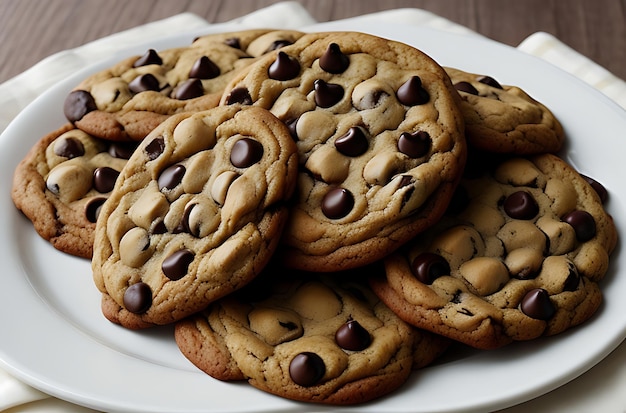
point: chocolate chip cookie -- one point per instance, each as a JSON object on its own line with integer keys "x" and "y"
{"x": 380, "y": 139}
{"x": 128, "y": 100}
{"x": 196, "y": 214}
{"x": 62, "y": 182}
{"x": 505, "y": 119}
{"x": 322, "y": 339}
{"x": 518, "y": 256}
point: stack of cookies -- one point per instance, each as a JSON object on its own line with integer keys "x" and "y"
{"x": 319, "y": 214}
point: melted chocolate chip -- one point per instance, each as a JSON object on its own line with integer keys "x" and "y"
{"x": 204, "y": 68}
{"x": 155, "y": 148}
{"x": 352, "y": 336}
{"x": 427, "y": 267}
{"x": 598, "y": 187}
{"x": 284, "y": 67}
{"x": 337, "y": 203}
{"x": 151, "y": 57}
{"x": 333, "y": 60}
{"x": 327, "y": 94}
{"x": 572, "y": 280}
{"x": 414, "y": 145}
{"x": 144, "y": 82}
{"x": 92, "y": 209}
{"x": 277, "y": 44}
{"x": 521, "y": 205}
{"x": 246, "y": 152}
{"x": 411, "y": 93}
{"x": 233, "y": 42}
{"x": 583, "y": 223}
{"x": 138, "y": 298}
{"x": 69, "y": 148}
{"x": 466, "y": 87}
{"x": 536, "y": 304}
{"x": 291, "y": 125}
{"x": 104, "y": 179}
{"x": 306, "y": 369}
{"x": 176, "y": 265}
{"x": 353, "y": 143}
{"x": 185, "y": 221}
{"x": 239, "y": 95}
{"x": 488, "y": 80}
{"x": 77, "y": 104}
{"x": 122, "y": 150}
{"x": 191, "y": 88}
{"x": 171, "y": 177}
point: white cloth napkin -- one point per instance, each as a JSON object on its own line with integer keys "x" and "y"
{"x": 600, "y": 389}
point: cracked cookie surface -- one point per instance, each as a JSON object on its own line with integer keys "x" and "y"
{"x": 519, "y": 256}
{"x": 309, "y": 338}
{"x": 380, "y": 140}
{"x": 196, "y": 214}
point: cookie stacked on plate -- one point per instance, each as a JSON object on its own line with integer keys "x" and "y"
{"x": 319, "y": 214}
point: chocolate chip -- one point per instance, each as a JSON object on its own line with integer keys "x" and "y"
{"x": 155, "y": 148}
{"x": 412, "y": 93}
{"x": 122, "y": 150}
{"x": 277, "y": 44}
{"x": 306, "y": 369}
{"x": 414, "y": 145}
{"x": 327, "y": 94}
{"x": 583, "y": 223}
{"x": 337, "y": 203}
{"x": 466, "y": 87}
{"x": 239, "y": 95}
{"x": 144, "y": 82}
{"x": 233, "y": 42}
{"x": 246, "y": 152}
{"x": 284, "y": 67}
{"x": 353, "y": 143}
{"x": 488, "y": 80}
{"x": 333, "y": 60}
{"x": 92, "y": 209}
{"x": 572, "y": 280}
{"x": 191, "y": 88}
{"x": 352, "y": 336}
{"x": 536, "y": 304}
{"x": 427, "y": 267}
{"x": 291, "y": 125}
{"x": 521, "y": 205}
{"x": 204, "y": 68}
{"x": 184, "y": 223}
{"x": 77, "y": 104}
{"x": 598, "y": 187}
{"x": 171, "y": 177}
{"x": 151, "y": 57}
{"x": 138, "y": 298}
{"x": 176, "y": 265}
{"x": 69, "y": 148}
{"x": 104, "y": 179}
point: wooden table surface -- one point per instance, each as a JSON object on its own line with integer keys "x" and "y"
{"x": 30, "y": 30}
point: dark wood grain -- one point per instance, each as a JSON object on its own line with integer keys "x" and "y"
{"x": 31, "y": 30}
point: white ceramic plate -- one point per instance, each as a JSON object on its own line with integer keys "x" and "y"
{"x": 53, "y": 336}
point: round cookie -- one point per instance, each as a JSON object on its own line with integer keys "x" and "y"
{"x": 518, "y": 256}
{"x": 62, "y": 182}
{"x": 196, "y": 214}
{"x": 308, "y": 338}
{"x": 380, "y": 140}
{"x": 128, "y": 100}
{"x": 505, "y": 119}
